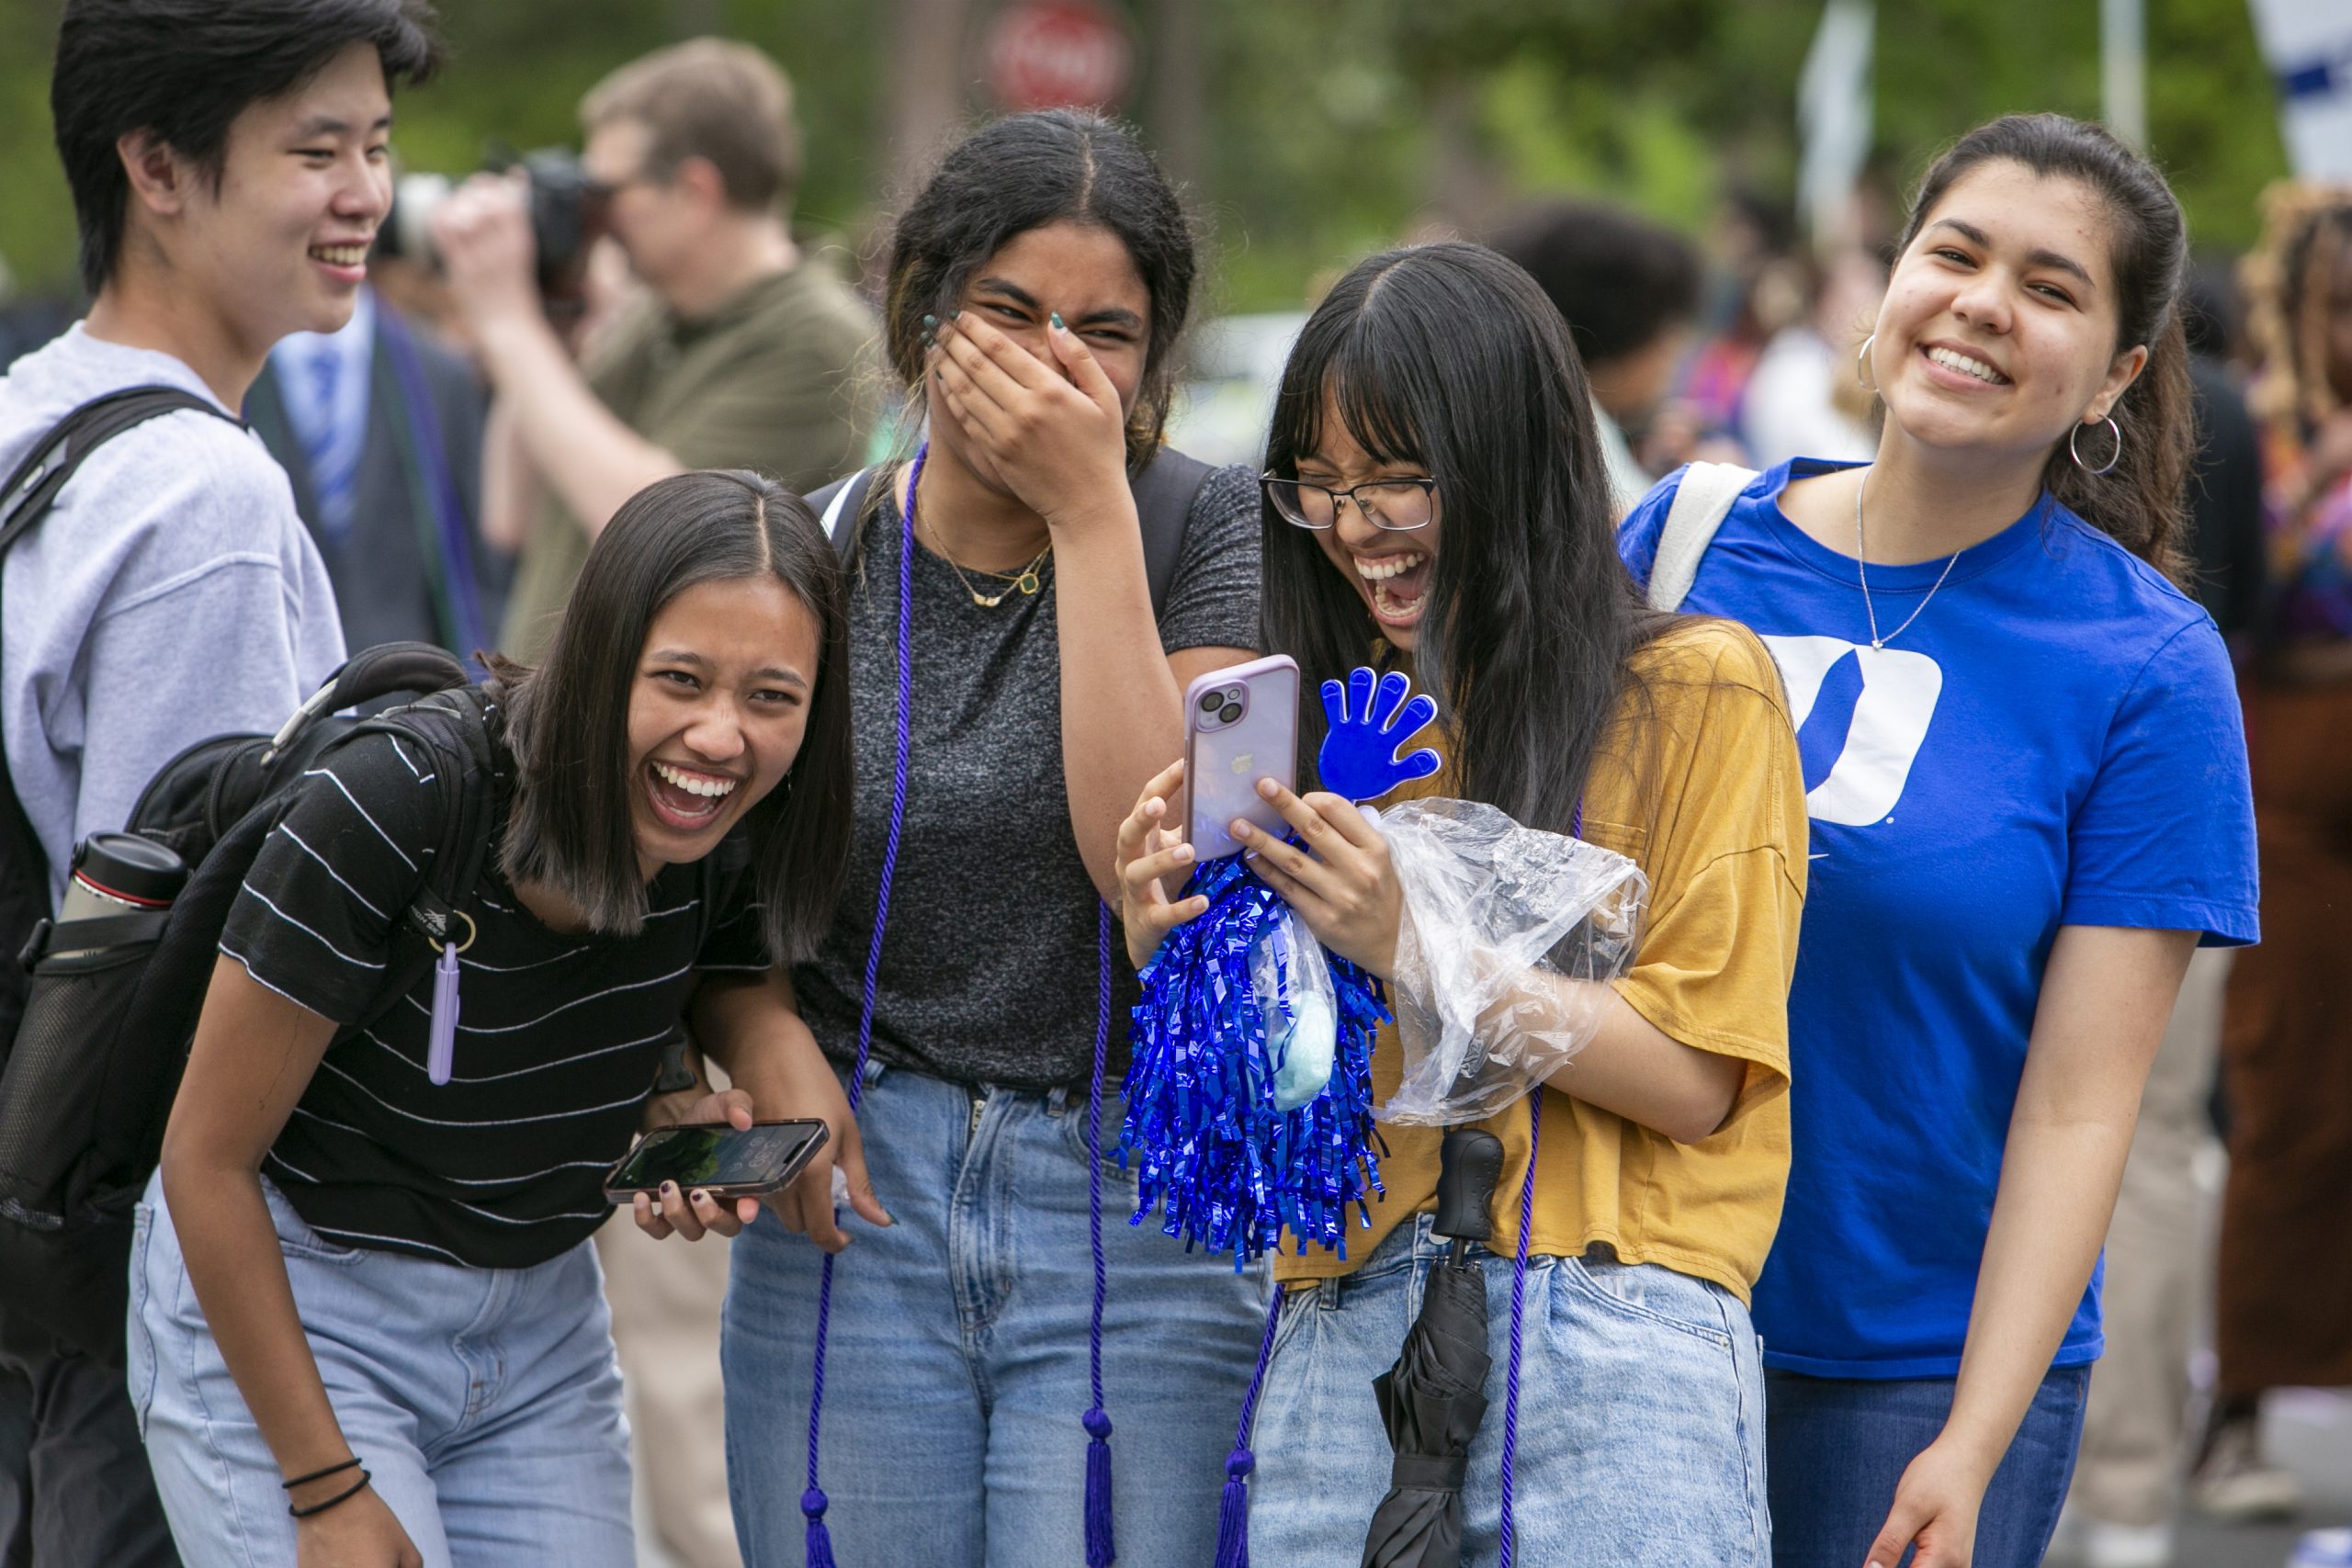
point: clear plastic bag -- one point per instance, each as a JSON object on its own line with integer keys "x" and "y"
{"x": 1509, "y": 936}
{"x": 1292, "y": 982}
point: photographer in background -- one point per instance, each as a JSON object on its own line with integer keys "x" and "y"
{"x": 746, "y": 355}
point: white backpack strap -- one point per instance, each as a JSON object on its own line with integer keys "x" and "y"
{"x": 1701, "y": 501}
{"x": 831, "y": 521}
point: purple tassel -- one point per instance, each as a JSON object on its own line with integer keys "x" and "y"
{"x": 820, "y": 1540}
{"x": 1100, "y": 1550}
{"x": 441, "y": 1028}
{"x": 1233, "y": 1514}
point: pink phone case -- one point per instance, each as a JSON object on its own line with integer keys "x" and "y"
{"x": 1241, "y": 726}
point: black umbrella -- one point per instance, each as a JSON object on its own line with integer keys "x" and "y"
{"x": 1433, "y": 1398}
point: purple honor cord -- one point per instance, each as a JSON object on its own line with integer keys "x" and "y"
{"x": 1233, "y": 1508}
{"x": 1518, "y": 1305}
{"x": 441, "y": 1028}
{"x": 1100, "y": 1550}
{"x": 813, "y": 1502}
{"x": 1519, "y": 1287}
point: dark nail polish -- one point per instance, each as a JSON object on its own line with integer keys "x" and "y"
{"x": 930, "y": 322}
{"x": 1056, "y": 319}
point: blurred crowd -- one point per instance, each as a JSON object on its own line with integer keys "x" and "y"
{"x": 455, "y": 450}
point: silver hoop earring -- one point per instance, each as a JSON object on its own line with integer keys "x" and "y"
{"x": 1861, "y": 363}
{"x": 2075, "y": 453}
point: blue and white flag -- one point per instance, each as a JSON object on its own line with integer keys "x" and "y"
{"x": 2308, "y": 46}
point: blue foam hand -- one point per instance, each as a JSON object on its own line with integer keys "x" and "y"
{"x": 1369, "y": 727}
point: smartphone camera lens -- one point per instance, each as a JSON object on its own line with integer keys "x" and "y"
{"x": 1232, "y": 713}
{"x": 1213, "y": 702}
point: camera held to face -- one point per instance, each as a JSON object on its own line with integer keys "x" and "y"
{"x": 568, "y": 212}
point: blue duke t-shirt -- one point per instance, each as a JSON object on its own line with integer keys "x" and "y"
{"x": 2054, "y": 741}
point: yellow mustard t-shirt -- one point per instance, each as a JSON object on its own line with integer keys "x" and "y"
{"x": 1700, "y": 787}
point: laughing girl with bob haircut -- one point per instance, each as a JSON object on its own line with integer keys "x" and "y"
{"x": 364, "y": 1298}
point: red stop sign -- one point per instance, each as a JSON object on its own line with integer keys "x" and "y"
{"x": 1046, "y": 54}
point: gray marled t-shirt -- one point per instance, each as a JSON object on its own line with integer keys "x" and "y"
{"x": 988, "y": 966}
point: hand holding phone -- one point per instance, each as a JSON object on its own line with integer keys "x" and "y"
{"x": 693, "y": 1177}
{"x": 717, "y": 1157}
{"x": 1241, "y": 726}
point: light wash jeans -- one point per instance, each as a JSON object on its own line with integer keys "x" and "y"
{"x": 484, "y": 1402}
{"x": 1641, "y": 1416}
{"x": 956, "y": 1369}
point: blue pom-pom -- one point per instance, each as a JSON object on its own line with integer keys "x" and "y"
{"x": 1224, "y": 1166}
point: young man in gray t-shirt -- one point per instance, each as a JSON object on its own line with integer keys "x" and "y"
{"x": 228, "y": 173}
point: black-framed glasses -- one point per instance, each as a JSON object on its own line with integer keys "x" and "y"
{"x": 1396, "y": 505}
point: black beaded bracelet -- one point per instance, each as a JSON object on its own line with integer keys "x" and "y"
{"x": 351, "y": 1463}
{"x": 355, "y": 1489}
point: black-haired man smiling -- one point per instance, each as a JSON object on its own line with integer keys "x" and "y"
{"x": 228, "y": 170}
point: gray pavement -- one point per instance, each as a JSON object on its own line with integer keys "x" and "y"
{"x": 2309, "y": 1432}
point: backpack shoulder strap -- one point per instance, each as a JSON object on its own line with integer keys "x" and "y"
{"x": 838, "y": 507}
{"x": 1165, "y": 493}
{"x": 32, "y": 487}
{"x": 25, "y": 499}
{"x": 455, "y": 727}
{"x": 171, "y": 992}
{"x": 1701, "y": 501}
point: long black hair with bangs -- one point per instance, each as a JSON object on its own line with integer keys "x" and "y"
{"x": 1449, "y": 357}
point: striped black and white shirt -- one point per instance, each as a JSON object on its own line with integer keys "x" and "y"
{"x": 558, "y": 1040}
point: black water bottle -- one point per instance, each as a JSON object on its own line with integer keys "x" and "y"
{"x": 115, "y": 874}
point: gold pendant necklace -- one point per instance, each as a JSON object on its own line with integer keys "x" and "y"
{"x": 1026, "y": 580}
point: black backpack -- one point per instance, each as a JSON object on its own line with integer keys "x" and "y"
{"x": 88, "y": 1085}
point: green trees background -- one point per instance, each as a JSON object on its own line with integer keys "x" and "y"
{"x": 1310, "y": 130}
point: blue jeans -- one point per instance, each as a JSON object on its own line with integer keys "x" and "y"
{"x": 1841, "y": 1444}
{"x": 956, "y": 1368}
{"x": 1641, "y": 1430}
{"x": 484, "y": 1402}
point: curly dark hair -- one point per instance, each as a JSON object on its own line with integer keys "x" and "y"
{"x": 1024, "y": 172}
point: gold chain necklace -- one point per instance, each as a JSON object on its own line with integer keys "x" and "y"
{"x": 1025, "y": 579}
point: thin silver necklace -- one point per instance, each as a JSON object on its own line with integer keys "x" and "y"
{"x": 1862, "y": 483}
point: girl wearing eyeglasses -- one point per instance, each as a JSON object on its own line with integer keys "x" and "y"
{"x": 1436, "y": 503}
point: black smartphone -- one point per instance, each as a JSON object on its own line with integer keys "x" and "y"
{"x": 715, "y": 1158}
